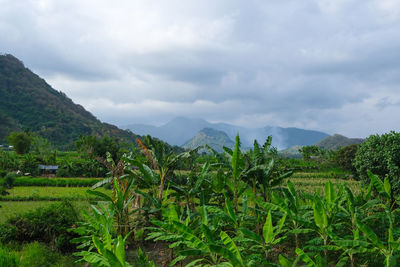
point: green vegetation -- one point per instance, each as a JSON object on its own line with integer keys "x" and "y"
{"x": 48, "y": 193}
{"x": 21, "y": 141}
{"x": 380, "y": 154}
{"x": 12, "y": 209}
{"x": 61, "y": 182}
{"x": 237, "y": 208}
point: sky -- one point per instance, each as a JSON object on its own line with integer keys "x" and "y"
{"x": 332, "y": 66}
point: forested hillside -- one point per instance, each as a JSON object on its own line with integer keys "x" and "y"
{"x": 337, "y": 141}
{"x": 27, "y": 101}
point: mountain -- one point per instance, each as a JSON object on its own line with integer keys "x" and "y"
{"x": 208, "y": 136}
{"x": 337, "y": 141}
{"x": 27, "y": 101}
{"x": 180, "y": 129}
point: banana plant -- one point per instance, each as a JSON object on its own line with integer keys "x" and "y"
{"x": 271, "y": 236}
{"x": 261, "y": 169}
{"x": 390, "y": 250}
{"x": 200, "y": 242}
{"x": 236, "y": 171}
{"x": 298, "y": 213}
{"x": 97, "y": 235}
{"x": 163, "y": 162}
{"x": 120, "y": 201}
{"x": 317, "y": 261}
{"x": 351, "y": 245}
{"x": 197, "y": 184}
{"x": 321, "y": 221}
{"x": 384, "y": 190}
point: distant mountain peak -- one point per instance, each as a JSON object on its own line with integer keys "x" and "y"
{"x": 209, "y": 136}
{"x": 337, "y": 141}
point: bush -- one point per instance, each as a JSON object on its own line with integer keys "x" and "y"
{"x": 3, "y": 173}
{"x": 8, "y": 181}
{"x": 345, "y": 158}
{"x": 3, "y": 191}
{"x": 380, "y": 155}
{"x": 30, "y": 164}
{"x": 48, "y": 225}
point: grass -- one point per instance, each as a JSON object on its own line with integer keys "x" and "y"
{"x": 38, "y": 192}
{"x": 9, "y": 209}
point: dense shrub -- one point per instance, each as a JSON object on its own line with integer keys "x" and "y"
{"x": 29, "y": 164}
{"x": 345, "y": 158}
{"x": 48, "y": 225}
{"x": 3, "y": 173}
{"x": 9, "y": 161}
{"x": 8, "y": 180}
{"x": 381, "y": 155}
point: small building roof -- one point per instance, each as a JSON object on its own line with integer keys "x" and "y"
{"x": 48, "y": 167}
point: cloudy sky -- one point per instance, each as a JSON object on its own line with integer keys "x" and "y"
{"x": 316, "y": 64}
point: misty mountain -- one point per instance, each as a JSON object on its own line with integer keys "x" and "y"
{"x": 208, "y": 136}
{"x": 181, "y": 129}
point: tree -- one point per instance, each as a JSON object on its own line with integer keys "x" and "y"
{"x": 345, "y": 157}
{"x": 380, "y": 154}
{"x": 308, "y": 151}
{"x": 98, "y": 147}
{"x": 21, "y": 141}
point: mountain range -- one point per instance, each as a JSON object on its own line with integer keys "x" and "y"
{"x": 181, "y": 129}
{"x": 28, "y": 102}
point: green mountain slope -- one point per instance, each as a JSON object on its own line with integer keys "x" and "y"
{"x": 27, "y": 101}
{"x": 337, "y": 141}
{"x": 208, "y": 136}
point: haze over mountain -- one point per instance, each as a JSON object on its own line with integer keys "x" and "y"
{"x": 181, "y": 129}
{"x": 28, "y": 102}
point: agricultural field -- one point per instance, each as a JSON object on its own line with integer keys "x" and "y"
{"x": 316, "y": 181}
{"x": 50, "y": 193}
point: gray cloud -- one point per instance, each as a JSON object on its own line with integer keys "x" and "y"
{"x": 318, "y": 64}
